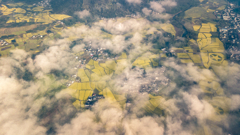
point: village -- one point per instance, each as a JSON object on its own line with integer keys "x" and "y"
{"x": 230, "y": 34}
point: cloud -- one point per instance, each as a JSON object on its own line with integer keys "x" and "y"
{"x": 32, "y": 107}
{"x": 157, "y": 7}
{"x": 83, "y": 14}
{"x": 115, "y": 35}
{"x": 182, "y": 107}
{"x": 56, "y": 57}
{"x": 235, "y": 102}
{"x": 78, "y": 48}
{"x": 168, "y": 3}
{"x": 22, "y": 100}
{"x": 134, "y": 1}
{"x": 116, "y": 44}
{"x": 123, "y": 25}
{"x": 197, "y": 108}
{"x": 143, "y": 126}
{"x": 164, "y": 16}
{"x": 18, "y": 107}
{"x": 110, "y": 121}
{"x": 146, "y": 11}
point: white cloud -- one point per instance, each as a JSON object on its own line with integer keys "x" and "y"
{"x": 143, "y": 126}
{"x": 198, "y": 108}
{"x": 146, "y": 11}
{"x": 123, "y": 25}
{"x": 14, "y": 101}
{"x": 110, "y": 121}
{"x": 168, "y": 3}
{"x": 78, "y": 48}
{"x": 185, "y": 112}
{"x": 134, "y": 1}
{"x": 56, "y": 57}
{"x": 83, "y": 14}
{"x": 114, "y": 35}
{"x": 157, "y": 7}
{"x": 235, "y": 102}
{"x": 164, "y": 16}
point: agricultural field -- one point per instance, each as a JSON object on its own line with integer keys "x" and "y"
{"x": 95, "y": 76}
{"x": 210, "y": 54}
{"x": 29, "y": 36}
{"x": 211, "y": 49}
{"x": 19, "y": 13}
{"x": 146, "y": 61}
{"x": 167, "y": 27}
{"x": 204, "y": 12}
{"x": 92, "y": 79}
{"x": 16, "y": 30}
{"x": 195, "y": 12}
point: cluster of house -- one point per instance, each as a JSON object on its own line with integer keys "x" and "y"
{"x": 230, "y": 33}
{"x": 235, "y": 53}
{"x": 36, "y": 36}
{"x": 227, "y": 14}
{"x": 96, "y": 54}
{"x": 3, "y": 42}
{"x": 92, "y": 99}
{"x": 154, "y": 84}
{"x": 44, "y": 3}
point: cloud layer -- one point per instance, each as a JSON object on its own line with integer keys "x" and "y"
{"x": 191, "y": 100}
{"x": 83, "y": 14}
{"x": 134, "y": 1}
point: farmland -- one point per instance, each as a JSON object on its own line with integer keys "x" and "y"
{"x": 30, "y": 27}
{"x": 95, "y": 77}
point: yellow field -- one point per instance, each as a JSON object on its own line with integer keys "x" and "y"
{"x": 195, "y": 12}
{"x": 186, "y": 60}
{"x": 59, "y": 16}
{"x": 153, "y": 105}
{"x": 111, "y": 65}
{"x": 82, "y": 75}
{"x": 221, "y": 8}
{"x": 15, "y": 4}
{"x": 99, "y": 68}
{"x": 39, "y": 8}
{"x": 142, "y": 62}
{"x": 109, "y": 95}
{"x": 196, "y": 27}
{"x": 44, "y": 16}
{"x": 182, "y": 55}
{"x": 20, "y": 10}
{"x": 91, "y": 78}
{"x": 169, "y": 28}
{"x": 195, "y": 58}
{"x": 155, "y": 64}
{"x": 211, "y": 49}
{"x": 146, "y": 60}
{"x": 218, "y": 1}
{"x": 9, "y": 31}
{"x": 4, "y": 51}
{"x": 123, "y": 56}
